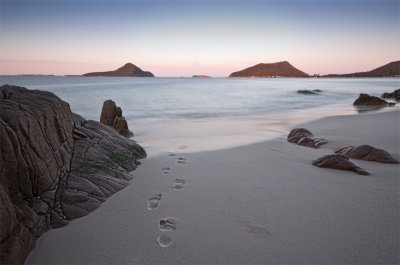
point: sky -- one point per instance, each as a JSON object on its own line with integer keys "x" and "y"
{"x": 188, "y": 37}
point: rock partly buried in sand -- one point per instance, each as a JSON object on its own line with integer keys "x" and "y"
{"x": 111, "y": 115}
{"x": 367, "y": 100}
{"x": 340, "y": 162}
{"x": 309, "y": 92}
{"x": 304, "y": 137}
{"x": 54, "y": 167}
{"x": 395, "y": 94}
{"x": 368, "y": 153}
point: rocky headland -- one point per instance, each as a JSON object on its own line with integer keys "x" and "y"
{"x": 388, "y": 70}
{"x": 128, "y": 70}
{"x": 55, "y": 166}
{"x": 279, "y": 69}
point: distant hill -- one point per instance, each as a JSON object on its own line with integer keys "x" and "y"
{"x": 128, "y": 70}
{"x": 197, "y": 76}
{"x": 388, "y": 70}
{"x": 279, "y": 69}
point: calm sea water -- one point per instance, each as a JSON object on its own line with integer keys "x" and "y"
{"x": 166, "y": 111}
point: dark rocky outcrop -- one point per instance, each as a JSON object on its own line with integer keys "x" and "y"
{"x": 128, "y": 70}
{"x": 111, "y": 115}
{"x": 54, "y": 167}
{"x": 340, "y": 162}
{"x": 367, "y": 100}
{"x": 309, "y": 92}
{"x": 388, "y": 70}
{"x": 368, "y": 153}
{"x": 279, "y": 69}
{"x": 395, "y": 94}
{"x": 304, "y": 137}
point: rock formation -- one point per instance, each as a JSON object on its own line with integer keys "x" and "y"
{"x": 395, "y": 94}
{"x": 309, "y": 92}
{"x": 111, "y": 115}
{"x": 128, "y": 70}
{"x": 304, "y": 137}
{"x": 54, "y": 167}
{"x": 388, "y": 70}
{"x": 367, "y": 100}
{"x": 341, "y": 162}
{"x": 279, "y": 69}
{"x": 368, "y": 153}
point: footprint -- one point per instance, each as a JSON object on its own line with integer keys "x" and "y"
{"x": 165, "y": 239}
{"x": 167, "y": 224}
{"x": 171, "y": 154}
{"x": 181, "y": 160}
{"x": 167, "y": 227}
{"x": 152, "y": 202}
{"x": 165, "y": 170}
{"x": 178, "y": 184}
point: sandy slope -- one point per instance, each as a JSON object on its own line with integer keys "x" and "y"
{"x": 261, "y": 203}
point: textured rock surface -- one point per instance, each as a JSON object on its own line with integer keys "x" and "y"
{"x": 368, "y": 153}
{"x": 367, "y": 100}
{"x": 54, "y": 167}
{"x": 395, "y": 94}
{"x": 341, "y": 162}
{"x": 111, "y": 115}
{"x": 304, "y": 137}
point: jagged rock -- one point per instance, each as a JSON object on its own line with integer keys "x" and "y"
{"x": 368, "y": 153}
{"x": 54, "y": 167}
{"x": 395, "y": 94}
{"x": 111, "y": 115}
{"x": 341, "y": 162}
{"x": 304, "y": 137}
{"x": 109, "y": 112}
{"x": 367, "y": 100}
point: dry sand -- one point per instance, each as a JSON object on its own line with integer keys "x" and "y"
{"x": 261, "y": 203}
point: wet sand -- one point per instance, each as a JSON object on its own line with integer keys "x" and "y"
{"x": 259, "y": 203}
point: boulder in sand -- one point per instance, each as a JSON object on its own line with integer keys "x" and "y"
{"x": 304, "y": 137}
{"x": 340, "y": 162}
{"x": 54, "y": 167}
{"x": 368, "y": 153}
{"x": 367, "y": 100}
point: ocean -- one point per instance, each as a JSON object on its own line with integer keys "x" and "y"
{"x": 199, "y": 114}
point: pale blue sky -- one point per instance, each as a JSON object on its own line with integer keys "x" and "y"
{"x": 182, "y": 38}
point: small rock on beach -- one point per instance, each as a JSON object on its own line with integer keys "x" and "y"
{"x": 368, "y": 153}
{"x": 340, "y": 162}
{"x": 304, "y": 137}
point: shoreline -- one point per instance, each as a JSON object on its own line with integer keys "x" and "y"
{"x": 160, "y": 136}
{"x": 258, "y": 203}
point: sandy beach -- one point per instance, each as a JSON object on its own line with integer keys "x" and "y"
{"x": 260, "y": 203}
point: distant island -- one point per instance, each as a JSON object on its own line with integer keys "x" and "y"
{"x": 128, "y": 70}
{"x": 388, "y": 70}
{"x": 195, "y": 76}
{"x": 279, "y": 69}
